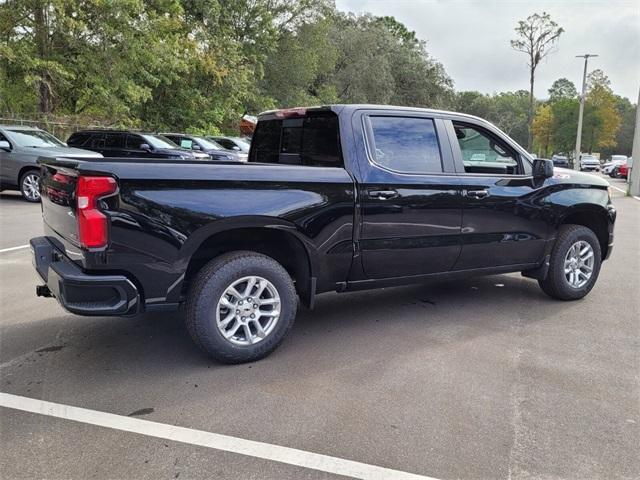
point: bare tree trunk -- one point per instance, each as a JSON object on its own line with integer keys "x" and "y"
{"x": 42, "y": 47}
{"x": 530, "y": 113}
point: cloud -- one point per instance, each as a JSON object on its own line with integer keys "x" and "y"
{"x": 471, "y": 39}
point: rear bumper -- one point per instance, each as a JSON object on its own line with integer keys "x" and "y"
{"x": 79, "y": 292}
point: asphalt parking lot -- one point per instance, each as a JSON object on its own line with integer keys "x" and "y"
{"x": 486, "y": 378}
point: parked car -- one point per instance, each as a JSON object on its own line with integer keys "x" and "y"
{"x": 622, "y": 171}
{"x": 392, "y": 200}
{"x": 123, "y": 143}
{"x": 201, "y": 144}
{"x": 20, "y": 147}
{"x": 560, "y": 161}
{"x": 615, "y": 161}
{"x": 589, "y": 163}
{"x": 237, "y": 144}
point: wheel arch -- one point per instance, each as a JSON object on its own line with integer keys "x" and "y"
{"x": 275, "y": 238}
{"x": 595, "y": 218}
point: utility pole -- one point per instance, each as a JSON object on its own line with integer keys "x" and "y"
{"x": 576, "y": 160}
{"x": 634, "y": 175}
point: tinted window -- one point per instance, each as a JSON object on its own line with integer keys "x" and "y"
{"x": 97, "y": 140}
{"x": 114, "y": 140}
{"x": 483, "y": 153}
{"x": 134, "y": 141}
{"x": 405, "y": 144}
{"x": 226, "y": 143}
{"x": 312, "y": 140}
{"x": 78, "y": 138}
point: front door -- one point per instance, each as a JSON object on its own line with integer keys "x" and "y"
{"x": 410, "y": 197}
{"x": 501, "y": 221}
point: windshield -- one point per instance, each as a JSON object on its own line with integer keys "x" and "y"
{"x": 243, "y": 144}
{"x": 35, "y": 139}
{"x": 158, "y": 141}
{"x": 207, "y": 144}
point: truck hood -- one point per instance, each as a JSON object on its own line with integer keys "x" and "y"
{"x": 566, "y": 175}
{"x": 69, "y": 152}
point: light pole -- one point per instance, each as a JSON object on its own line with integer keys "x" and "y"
{"x": 633, "y": 177}
{"x": 576, "y": 159}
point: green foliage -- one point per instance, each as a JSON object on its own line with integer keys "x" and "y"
{"x": 201, "y": 64}
{"x": 562, "y": 88}
{"x": 507, "y": 110}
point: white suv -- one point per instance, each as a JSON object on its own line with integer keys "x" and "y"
{"x": 589, "y": 162}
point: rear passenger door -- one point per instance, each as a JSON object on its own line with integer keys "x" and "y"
{"x": 410, "y": 196}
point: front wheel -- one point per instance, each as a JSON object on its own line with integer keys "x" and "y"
{"x": 240, "y": 307}
{"x": 30, "y": 185}
{"x": 574, "y": 264}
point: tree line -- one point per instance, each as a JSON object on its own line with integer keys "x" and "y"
{"x": 199, "y": 65}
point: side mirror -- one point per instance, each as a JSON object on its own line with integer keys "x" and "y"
{"x": 4, "y": 145}
{"x": 542, "y": 168}
{"x": 236, "y": 148}
{"x": 195, "y": 146}
{"x": 145, "y": 146}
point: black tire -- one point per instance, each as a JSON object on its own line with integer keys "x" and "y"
{"x": 556, "y": 284}
{"x": 208, "y": 287}
{"x": 27, "y": 178}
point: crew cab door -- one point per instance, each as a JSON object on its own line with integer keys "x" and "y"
{"x": 501, "y": 219}
{"x": 410, "y": 196}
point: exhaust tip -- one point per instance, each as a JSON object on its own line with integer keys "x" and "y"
{"x": 43, "y": 291}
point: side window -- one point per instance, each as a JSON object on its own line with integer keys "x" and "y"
{"x": 226, "y": 143}
{"x": 405, "y": 144}
{"x": 483, "y": 153}
{"x": 114, "y": 140}
{"x": 97, "y": 140}
{"x": 79, "y": 138}
{"x": 134, "y": 141}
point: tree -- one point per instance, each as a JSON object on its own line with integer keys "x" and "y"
{"x": 602, "y": 119}
{"x": 564, "y": 125}
{"x": 536, "y": 37}
{"x": 562, "y": 88}
{"x": 542, "y": 128}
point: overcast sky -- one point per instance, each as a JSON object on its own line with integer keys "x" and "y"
{"x": 471, "y": 39}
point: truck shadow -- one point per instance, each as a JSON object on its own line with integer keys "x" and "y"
{"x": 370, "y": 326}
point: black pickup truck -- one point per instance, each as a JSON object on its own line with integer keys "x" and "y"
{"x": 333, "y": 198}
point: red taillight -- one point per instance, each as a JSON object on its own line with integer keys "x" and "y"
{"x": 92, "y": 223}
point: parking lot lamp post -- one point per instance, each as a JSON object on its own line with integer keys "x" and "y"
{"x": 576, "y": 159}
{"x": 634, "y": 174}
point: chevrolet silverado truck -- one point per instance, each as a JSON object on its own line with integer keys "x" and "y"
{"x": 333, "y": 198}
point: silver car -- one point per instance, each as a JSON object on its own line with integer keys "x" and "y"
{"x": 20, "y": 147}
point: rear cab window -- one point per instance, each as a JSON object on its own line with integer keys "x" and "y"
{"x": 310, "y": 140}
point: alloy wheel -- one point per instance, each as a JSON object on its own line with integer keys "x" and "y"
{"x": 578, "y": 264}
{"x": 248, "y": 310}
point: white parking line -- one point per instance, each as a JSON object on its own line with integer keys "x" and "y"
{"x": 624, "y": 191}
{"x": 276, "y": 453}
{"x": 13, "y": 248}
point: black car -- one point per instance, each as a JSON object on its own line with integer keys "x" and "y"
{"x": 333, "y": 198}
{"x": 201, "y": 144}
{"x": 122, "y": 143}
{"x": 560, "y": 161}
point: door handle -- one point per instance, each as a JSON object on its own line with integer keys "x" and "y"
{"x": 477, "y": 193}
{"x": 383, "y": 194}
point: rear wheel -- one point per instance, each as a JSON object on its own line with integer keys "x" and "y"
{"x": 240, "y": 307}
{"x": 574, "y": 264}
{"x": 30, "y": 185}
